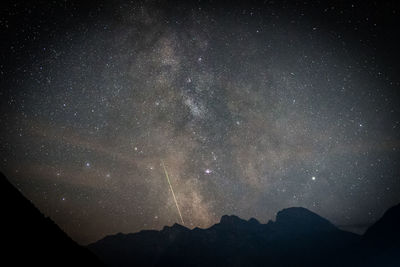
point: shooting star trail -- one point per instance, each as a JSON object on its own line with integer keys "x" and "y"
{"x": 172, "y": 190}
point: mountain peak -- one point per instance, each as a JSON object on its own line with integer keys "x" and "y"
{"x": 385, "y": 232}
{"x": 175, "y": 227}
{"x": 230, "y": 219}
{"x": 303, "y": 218}
{"x": 295, "y": 211}
{"x": 254, "y": 221}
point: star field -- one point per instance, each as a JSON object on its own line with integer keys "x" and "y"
{"x": 253, "y": 108}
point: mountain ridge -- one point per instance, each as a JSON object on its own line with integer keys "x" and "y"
{"x": 232, "y": 241}
{"x": 31, "y": 238}
{"x": 297, "y": 237}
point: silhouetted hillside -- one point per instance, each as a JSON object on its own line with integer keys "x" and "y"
{"x": 298, "y": 237}
{"x": 30, "y": 239}
{"x": 382, "y": 240}
{"x": 385, "y": 232}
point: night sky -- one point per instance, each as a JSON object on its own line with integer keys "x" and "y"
{"x": 252, "y": 107}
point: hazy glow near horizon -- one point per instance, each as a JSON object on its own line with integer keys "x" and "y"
{"x": 252, "y": 109}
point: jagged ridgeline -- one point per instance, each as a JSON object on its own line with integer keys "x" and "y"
{"x": 297, "y": 237}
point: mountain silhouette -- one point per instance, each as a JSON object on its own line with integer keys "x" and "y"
{"x": 381, "y": 242}
{"x": 298, "y": 237}
{"x": 385, "y": 232}
{"x": 30, "y": 239}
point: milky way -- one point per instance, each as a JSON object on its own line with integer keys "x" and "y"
{"x": 253, "y": 108}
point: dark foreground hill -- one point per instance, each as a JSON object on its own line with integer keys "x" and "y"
{"x": 298, "y": 237}
{"x": 382, "y": 240}
{"x": 30, "y": 239}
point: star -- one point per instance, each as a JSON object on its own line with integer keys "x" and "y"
{"x": 242, "y": 110}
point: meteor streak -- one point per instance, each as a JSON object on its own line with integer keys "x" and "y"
{"x": 172, "y": 190}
